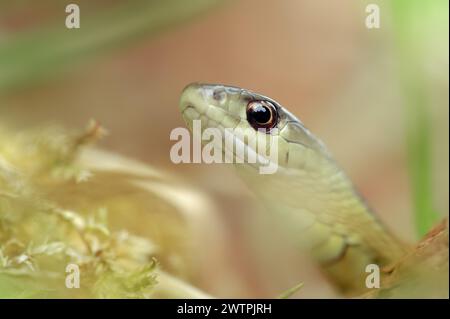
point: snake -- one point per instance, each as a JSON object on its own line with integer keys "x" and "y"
{"x": 309, "y": 193}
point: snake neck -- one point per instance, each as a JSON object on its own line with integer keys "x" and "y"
{"x": 328, "y": 218}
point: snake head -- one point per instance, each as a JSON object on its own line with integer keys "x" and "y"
{"x": 256, "y": 116}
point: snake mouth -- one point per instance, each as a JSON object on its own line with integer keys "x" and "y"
{"x": 192, "y": 98}
{"x": 186, "y": 107}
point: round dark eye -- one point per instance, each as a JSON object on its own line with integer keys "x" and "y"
{"x": 262, "y": 114}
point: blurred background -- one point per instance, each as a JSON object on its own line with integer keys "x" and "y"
{"x": 378, "y": 98}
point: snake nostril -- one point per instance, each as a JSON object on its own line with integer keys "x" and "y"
{"x": 219, "y": 94}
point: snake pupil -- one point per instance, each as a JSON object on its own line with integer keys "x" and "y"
{"x": 261, "y": 114}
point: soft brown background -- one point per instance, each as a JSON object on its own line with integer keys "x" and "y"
{"x": 314, "y": 57}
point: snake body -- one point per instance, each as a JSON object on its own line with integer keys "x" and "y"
{"x": 309, "y": 193}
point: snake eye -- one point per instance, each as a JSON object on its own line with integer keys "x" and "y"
{"x": 262, "y": 115}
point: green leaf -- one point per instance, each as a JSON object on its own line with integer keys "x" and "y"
{"x": 28, "y": 57}
{"x": 415, "y": 25}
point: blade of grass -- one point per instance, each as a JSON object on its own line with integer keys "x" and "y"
{"x": 288, "y": 293}
{"x": 29, "y": 57}
{"x": 412, "y": 19}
